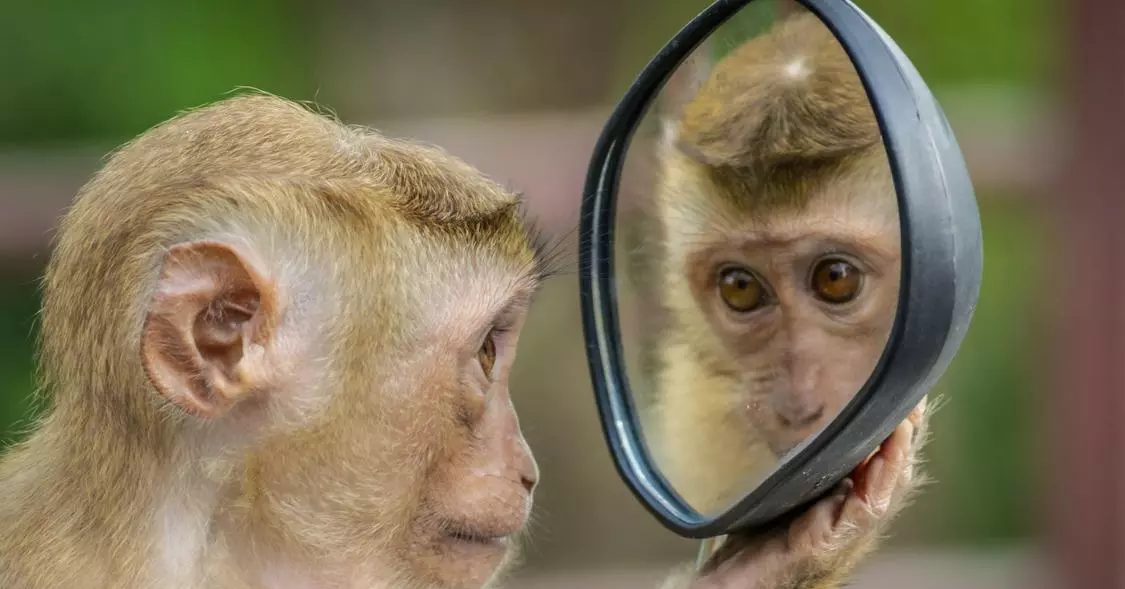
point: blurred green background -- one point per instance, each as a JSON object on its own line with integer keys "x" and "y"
{"x": 86, "y": 76}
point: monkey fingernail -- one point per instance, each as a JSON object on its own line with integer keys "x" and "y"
{"x": 919, "y": 411}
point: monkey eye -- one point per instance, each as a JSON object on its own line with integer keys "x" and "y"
{"x": 836, "y": 281}
{"x": 486, "y": 355}
{"x": 740, "y": 289}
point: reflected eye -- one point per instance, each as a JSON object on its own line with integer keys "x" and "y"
{"x": 486, "y": 355}
{"x": 836, "y": 281}
{"x": 741, "y": 290}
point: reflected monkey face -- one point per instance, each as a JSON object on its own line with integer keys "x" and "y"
{"x": 799, "y": 291}
{"x": 774, "y": 254}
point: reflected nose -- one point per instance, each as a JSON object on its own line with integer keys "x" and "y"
{"x": 800, "y": 415}
{"x": 803, "y": 403}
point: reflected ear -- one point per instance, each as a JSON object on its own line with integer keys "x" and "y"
{"x": 207, "y": 328}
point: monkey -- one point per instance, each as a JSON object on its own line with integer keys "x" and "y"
{"x": 274, "y": 353}
{"x": 277, "y": 352}
{"x": 771, "y": 247}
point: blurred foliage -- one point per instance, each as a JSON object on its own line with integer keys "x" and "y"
{"x": 76, "y": 70}
{"x": 951, "y": 42}
{"x": 996, "y": 385}
{"x": 19, "y": 306}
{"x": 998, "y": 42}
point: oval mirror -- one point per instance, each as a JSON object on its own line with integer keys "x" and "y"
{"x": 780, "y": 252}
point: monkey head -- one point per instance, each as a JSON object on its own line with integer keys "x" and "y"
{"x": 306, "y": 352}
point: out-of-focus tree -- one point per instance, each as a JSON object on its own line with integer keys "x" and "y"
{"x": 72, "y": 70}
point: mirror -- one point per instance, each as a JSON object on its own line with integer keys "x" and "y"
{"x": 759, "y": 256}
{"x": 780, "y": 253}
{"x": 758, "y": 261}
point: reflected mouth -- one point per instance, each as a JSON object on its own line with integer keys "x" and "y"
{"x": 787, "y": 441}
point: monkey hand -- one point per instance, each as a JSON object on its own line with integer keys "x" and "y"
{"x": 820, "y": 547}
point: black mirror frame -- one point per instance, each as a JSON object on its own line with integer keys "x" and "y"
{"x": 941, "y": 274}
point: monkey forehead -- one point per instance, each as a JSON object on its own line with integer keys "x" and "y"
{"x": 460, "y": 291}
{"x": 860, "y": 180}
{"x": 854, "y": 203}
{"x": 435, "y": 188}
{"x": 260, "y": 135}
{"x": 284, "y": 173}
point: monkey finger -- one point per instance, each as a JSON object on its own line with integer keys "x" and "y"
{"x": 917, "y": 419}
{"x": 863, "y": 464}
{"x": 877, "y": 481}
{"x": 897, "y": 442}
{"x": 918, "y": 413}
{"x": 900, "y": 448}
{"x": 814, "y": 531}
{"x": 864, "y": 505}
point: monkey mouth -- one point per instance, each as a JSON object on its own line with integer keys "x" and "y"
{"x": 482, "y": 536}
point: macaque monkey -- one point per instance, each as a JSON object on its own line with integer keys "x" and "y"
{"x": 775, "y": 247}
{"x": 277, "y": 352}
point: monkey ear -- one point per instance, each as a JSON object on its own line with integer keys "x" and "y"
{"x": 208, "y": 325}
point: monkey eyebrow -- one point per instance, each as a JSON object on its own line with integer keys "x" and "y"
{"x": 546, "y": 246}
{"x": 861, "y": 239}
{"x": 516, "y": 301}
{"x": 820, "y": 232}
{"x": 519, "y": 300}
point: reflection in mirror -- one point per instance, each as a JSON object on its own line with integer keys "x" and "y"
{"x": 758, "y": 263}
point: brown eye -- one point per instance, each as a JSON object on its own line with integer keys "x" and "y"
{"x": 836, "y": 281}
{"x": 741, "y": 290}
{"x": 487, "y": 355}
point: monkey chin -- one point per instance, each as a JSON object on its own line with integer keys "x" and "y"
{"x": 472, "y": 557}
{"x": 783, "y": 443}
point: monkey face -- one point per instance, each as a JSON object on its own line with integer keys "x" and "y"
{"x": 420, "y": 456}
{"x": 479, "y": 492}
{"x": 786, "y": 308}
{"x": 803, "y": 323}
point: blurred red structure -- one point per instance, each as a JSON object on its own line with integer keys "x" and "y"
{"x": 1088, "y": 483}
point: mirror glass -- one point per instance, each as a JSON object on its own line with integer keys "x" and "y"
{"x": 758, "y": 255}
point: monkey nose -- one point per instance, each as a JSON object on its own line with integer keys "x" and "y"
{"x": 801, "y": 415}
{"x": 529, "y": 481}
{"x": 527, "y": 471}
